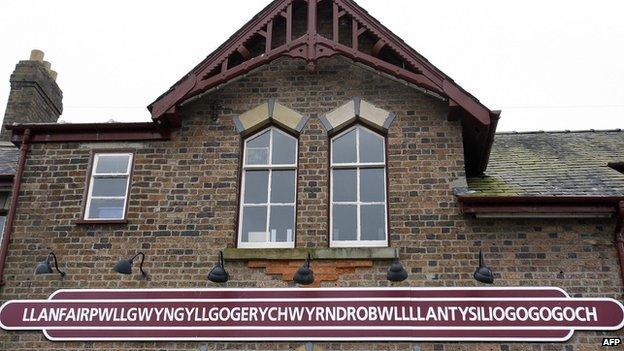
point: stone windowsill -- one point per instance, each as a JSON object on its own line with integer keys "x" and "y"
{"x": 360, "y": 253}
{"x": 100, "y": 221}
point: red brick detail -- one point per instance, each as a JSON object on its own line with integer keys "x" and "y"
{"x": 324, "y": 271}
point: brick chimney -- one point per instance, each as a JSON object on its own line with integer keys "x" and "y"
{"x": 35, "y": 97}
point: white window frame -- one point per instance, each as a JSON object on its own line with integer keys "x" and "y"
{"x": 358, "y": 166}
{"x": 270, "y": 167}
{"x": 94, "y": 175}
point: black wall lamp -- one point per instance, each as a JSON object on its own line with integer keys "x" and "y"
{"x": 396, "y": 272}
{"x": 483, "y": 274}
{"x": 125, "y": 266}
{"x": 304, "y": 275}
{"x": 45, "y": 267}
{"x": 218, "y": 274}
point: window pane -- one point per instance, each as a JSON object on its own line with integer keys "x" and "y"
{"x": 256, "y": 187}
{"x": 282, "y": 226}
{"x": 283, "y": 187}
{"x": 254, "y": 224}
{"x": 257, "y": 149}
{"x": 373, "y": 222}
{"x": 343, "y": 148}
{"x": 112, "y": 164}
{"x": 372, "y": 185}
{"x": 109, "y": 187}
{"x": 371, "y": 147}
{"x": 257, "y": 156}
{"x": 344, "y": 183}
{"x": 284, "y": 149}
{"x": 106, "y": 208}
{"x": 261, "y": 141}
{"x": 344, "y": 218}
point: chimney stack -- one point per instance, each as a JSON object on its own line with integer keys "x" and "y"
{"x": 35, "y": 97}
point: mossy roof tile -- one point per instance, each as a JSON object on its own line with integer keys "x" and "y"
{"x": 553, "y": 163}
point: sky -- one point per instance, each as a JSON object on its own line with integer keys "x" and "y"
{"x": 549, "y": 65}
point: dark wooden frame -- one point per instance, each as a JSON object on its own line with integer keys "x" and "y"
{"x": 87, "y": 184}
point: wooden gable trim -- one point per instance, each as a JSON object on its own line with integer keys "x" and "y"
{"x": 217, "y": 68}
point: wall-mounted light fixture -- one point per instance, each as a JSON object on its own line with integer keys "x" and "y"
{"x": 125, "y": 266}
{"x": 396, "y": 272}
{"x": 45, "y": 267}
{"x": 483, "y": 274}
{"x": 218, "y": 273}
{"x": 304, "y": 275}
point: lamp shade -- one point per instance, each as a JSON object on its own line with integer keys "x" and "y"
{"x": 483, "y": 274}
{"x": 217, "y": 273}
{"x": 123, "y": 267}
{"x": 396, "y": 272}
{"x": 304, "y": 275}
{"x": 45, "y": 267}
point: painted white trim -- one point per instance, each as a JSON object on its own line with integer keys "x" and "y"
{"x": 358, "y": 166}
{"x": 468, "y": 288}
{"x": 94, "y": 175}
{"x": 270, "y": 168}
{"x": 322, "y": 339}
{"x": 356, "y": 299}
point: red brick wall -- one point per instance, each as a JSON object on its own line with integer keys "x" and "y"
{"x": 183, "y": 209}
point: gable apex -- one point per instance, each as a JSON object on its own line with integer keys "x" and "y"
{"x": 315, "y": 29}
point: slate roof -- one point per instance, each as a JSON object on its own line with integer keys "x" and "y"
{"x": 553, "y": 163}
{"x": 8, "y": 158}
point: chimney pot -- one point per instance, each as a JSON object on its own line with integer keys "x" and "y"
{"x": 47, "y": 65}
{"x": 36, "y": 55}
{"x": 53, "y": 74}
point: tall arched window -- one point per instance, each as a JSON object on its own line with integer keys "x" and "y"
{"x": 358, "y": 189}
{"x": 268, "y": 194}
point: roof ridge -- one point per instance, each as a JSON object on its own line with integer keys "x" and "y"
{"x": 562, "y": 131}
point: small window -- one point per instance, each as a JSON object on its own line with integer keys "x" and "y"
{"x": 358, "y": 213}
{"x": 108, "y": 187}
{"x": 268, "y": 191}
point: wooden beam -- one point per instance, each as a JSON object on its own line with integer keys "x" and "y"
{"x": 312, "y": 31}
{"x": 377, "y": 47}
{"x": 355, "y": 36}
{"x": 269, "y": 37}
{"x": 455, "y": 111}
{"x": 312, "y": 16}
{"x": 336, "y": 23}
{"x": 289, "y": 24}
{"x": 244, "y": 52}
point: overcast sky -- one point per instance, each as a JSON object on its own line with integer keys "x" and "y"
{"x": 549, "y": 65}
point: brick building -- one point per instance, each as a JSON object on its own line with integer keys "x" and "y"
{"x": 312, "y": 130}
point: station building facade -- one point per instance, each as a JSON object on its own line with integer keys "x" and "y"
{"x": 312, "y": 130}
